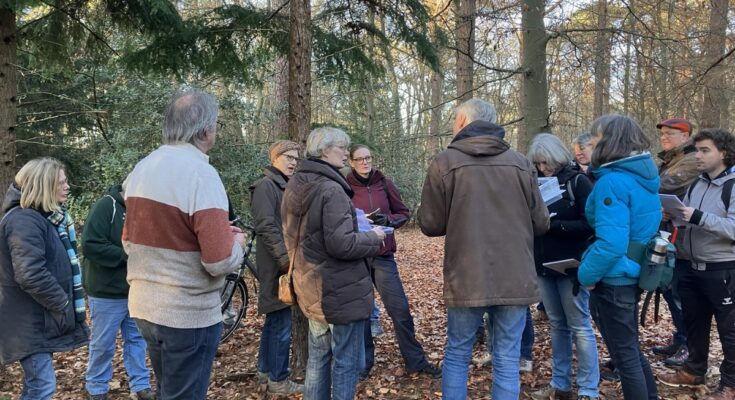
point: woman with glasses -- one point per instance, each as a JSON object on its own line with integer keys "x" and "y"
{"x": 272, "y": 260}
{"x": 583, "y": 150}
{"x": 379, "y": 198}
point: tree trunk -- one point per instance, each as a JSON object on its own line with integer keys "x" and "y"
{"x": 465, "y": 43}
{"x": 535, "y": 87}
{"x": 299, "y": 71}
{"x": 602, "y": 62}
{"x": 8, "y": 93}
{"x": 281, "y": 76}
{"x": 299, "y": 341}
{"x": 714, "y": 48}
{"x": 437, "y": 91}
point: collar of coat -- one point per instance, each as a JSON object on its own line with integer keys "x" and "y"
{"x": 276, "y": 176}
{"x": 668, "y": 156}
{"x": 321, "y": 167}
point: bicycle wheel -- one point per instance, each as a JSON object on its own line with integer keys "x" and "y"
{"x": 235, "y": 310}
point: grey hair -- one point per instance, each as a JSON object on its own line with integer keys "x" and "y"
{"x": 621, "y": 137}
{"x": 549, "y": 149}
{"x": 188, "y": 115}
{"x": 323, "y": 138}
{"x": 582, "y": 139}
{"x": 477, "y": 110}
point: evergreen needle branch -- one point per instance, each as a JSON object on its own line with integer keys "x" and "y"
{"x": 83, "y": 25}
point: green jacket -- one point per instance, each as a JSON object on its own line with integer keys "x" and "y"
{"x": 105, "y": 264}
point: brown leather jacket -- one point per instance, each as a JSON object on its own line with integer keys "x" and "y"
{"x": 331, "y": 275}
{"x": 678, "y": 169}
{"x": 484, "y": 197}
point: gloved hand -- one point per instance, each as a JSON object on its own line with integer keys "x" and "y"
{"x": 378, "y": 218}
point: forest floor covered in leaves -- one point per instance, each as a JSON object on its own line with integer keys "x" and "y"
{"x": 419, "y": 259}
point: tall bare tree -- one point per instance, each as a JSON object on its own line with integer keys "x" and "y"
{"x": 8, "y": 93}
{"x": 713, "y": 92}
{"x": 535, "y": 101}
{"x": 602, "y": 62}
{"x": 299, "y": 70}
{"x": 465, "y": 47}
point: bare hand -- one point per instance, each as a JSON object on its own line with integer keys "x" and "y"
{"x": 687, "y": 213}
{"x": 590, "y": 287}
{"x": 379, "y": 231}
{"x": 666, "y": 217}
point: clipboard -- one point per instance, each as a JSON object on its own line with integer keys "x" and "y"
{"x": 562, "y": 266}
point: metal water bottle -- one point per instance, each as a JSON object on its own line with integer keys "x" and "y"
{"x": 660, "y": 247}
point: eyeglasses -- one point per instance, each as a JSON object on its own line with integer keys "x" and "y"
{"x": 291, "y": 158}
{"x": 361, "y": 160}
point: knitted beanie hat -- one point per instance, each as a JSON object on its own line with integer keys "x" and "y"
{"x": 281, "y": 147}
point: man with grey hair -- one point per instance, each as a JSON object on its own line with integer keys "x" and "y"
{"x": 180, "y": 246}
{"x": 472, "y": 189}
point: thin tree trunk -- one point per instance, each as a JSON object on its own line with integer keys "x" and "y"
{"x": 628, "y": 60}
{"x": 8, "y": 93}
{"x": 437, "y": 91}
{"x": 535, "y": 87}
{"x": 602, "y": 62}
{"x": 465, "y": 44}
{"x": 712, "y": 94}
{"x": 299, "y": 71}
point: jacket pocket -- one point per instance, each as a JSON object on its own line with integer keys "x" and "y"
{"x": 58, "y": 324}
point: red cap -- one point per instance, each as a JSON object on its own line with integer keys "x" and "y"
{"x": 676, "y": 123}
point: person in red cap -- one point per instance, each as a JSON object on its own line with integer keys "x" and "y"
{"x": 677, "y": 171}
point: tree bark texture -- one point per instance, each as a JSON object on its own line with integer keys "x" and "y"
{"x": 8, "y": 94}
{"x": 465, "y": 44}
{"x": 602, "y": 62}
{"x": 713, "y": 90}
{"x": 299, "y": 71}
{"x": 437, "y": 91}
{"x": 299, "y": 340}
{"x": 535, "y": 86}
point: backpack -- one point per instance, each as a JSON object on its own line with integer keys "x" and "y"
{"x": 725, "y": 195}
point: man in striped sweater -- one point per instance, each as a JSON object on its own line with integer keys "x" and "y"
{"x": 180, "y": 246}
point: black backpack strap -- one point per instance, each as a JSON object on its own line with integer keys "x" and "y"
{"x": 726, "y": 193}
{"x": 691, "y": 188}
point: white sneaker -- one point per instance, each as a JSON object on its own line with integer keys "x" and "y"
{"x": 484, "y": 358}
{"x": 526, "y": 365}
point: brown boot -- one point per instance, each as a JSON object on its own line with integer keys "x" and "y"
{"x": 723, "y": 393}
{"x": 681, "y": 378}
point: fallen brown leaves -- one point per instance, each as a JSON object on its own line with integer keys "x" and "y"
{"x": 420, "y": 260}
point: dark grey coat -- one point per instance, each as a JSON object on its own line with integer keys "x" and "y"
{"x": 36, "y": 298}
{"x": 331, "y": 276}
{"x": 270, "y": 255}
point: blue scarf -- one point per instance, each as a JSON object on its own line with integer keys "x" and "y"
{"x": 65, "y": 228}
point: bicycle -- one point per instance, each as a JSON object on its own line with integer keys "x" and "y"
{"x": 234, "y": 295}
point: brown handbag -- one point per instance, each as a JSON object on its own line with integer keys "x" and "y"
{"x": 286, "y": 293}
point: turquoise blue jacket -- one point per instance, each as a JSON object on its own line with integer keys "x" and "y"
{"x": 624, "y": 206}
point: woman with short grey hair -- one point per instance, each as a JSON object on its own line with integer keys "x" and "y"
{"x": 583, "y": 150}
{"x": 566, "y": 304}
{"x": 331, "y": 276}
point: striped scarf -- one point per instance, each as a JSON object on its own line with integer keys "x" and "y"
{"x": 65, "y": 228}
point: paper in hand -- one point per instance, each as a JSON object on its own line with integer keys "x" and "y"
{"x": 562, "y": 266}
{"x": 674, "y": 207}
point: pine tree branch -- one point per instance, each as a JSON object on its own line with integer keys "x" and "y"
{"x": 83, "y": 25}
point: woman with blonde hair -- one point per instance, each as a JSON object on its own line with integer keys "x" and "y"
{"x": 42, "y": 307}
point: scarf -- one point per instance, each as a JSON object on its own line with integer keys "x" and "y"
{"x": 65, "y": 228}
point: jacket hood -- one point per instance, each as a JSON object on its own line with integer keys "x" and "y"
{"x": 726, "y": 175}
{"x": 480, "y": 139}
{"x": 12, "y": 198}
{"x": 640, "y": 166}
{"x": 322, "y": 168}
{"x": 276, "y": 177}
{"x": 374, "y": 177}
{"x": 567, "y": 172}
{"x": 114, "y": 192}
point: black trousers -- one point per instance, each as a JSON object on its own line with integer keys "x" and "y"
{"x": 705, "y": 294}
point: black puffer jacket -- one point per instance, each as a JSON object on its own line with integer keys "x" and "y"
{"x": 271, "y": 256}
{"x": 569, "y": 232}
{"x": 36, "y": 298}
{"x": 331, "y": 275}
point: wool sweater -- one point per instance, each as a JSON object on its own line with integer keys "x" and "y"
{"x": 177, "y": 235}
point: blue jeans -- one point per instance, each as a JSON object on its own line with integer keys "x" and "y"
{"x": 615, "y": 310}
{"x": 108, "y": 317}
{"x": 388, "y": 282}
{"x": 673, "y": 300}
{"x": 569, "y": 317}
{"x": 507, "y": 328}
{"x": 275, "y": 344}
{"x": 39, "y": 379}
{"x": 336, "y": 357}
{"x": 181, "y": 358}
{"x": 376, "y": 313}
{"x": 526, "y": 340}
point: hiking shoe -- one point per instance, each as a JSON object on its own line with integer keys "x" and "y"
{"x": 548, "y": 392}
{"x": 484, "y": 358}
{"x": 587, "y": 398}
{"x": 668, "y": 350}
{"x": 432, "y": 371}
{"x": 678, "y": 359}
{"x": 145, "y": 394}
{"x": 681, "y": 378}
{"x": 262, "y": 378}
{"x": 285, "y": 386}
{"x": 98, "y": 396}
{"x": 376, "y": 329}
{"x": 526, "y": 366}
{"x": 723, "y": 393}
